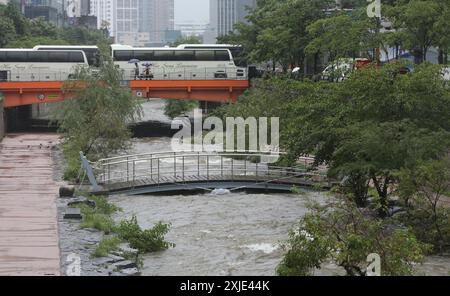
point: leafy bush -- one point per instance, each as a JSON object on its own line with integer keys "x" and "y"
{"x": 422, "y": 191}
{"x": 176, "y": 108}
{"x": 149, "y": 240}
{"x": 99, "y": 217}
{"x": 106, "y": 246}
{"x": 346, "y": 235}
{"x": 100, "y": 222}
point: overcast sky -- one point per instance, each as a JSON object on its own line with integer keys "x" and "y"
{"x": 191, "y": 11}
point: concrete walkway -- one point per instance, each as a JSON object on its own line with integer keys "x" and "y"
{"x": 28, "y": 216}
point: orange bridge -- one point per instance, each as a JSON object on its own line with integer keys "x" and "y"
{"x": 27, "y": 93}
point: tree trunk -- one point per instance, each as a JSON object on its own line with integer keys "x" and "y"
{"x": 441, "y": 57}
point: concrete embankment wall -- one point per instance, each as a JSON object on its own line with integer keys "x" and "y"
{"x": 2, "y": 120}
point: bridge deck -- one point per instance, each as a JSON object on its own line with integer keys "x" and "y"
{"x": 149, "y": 185}
{"x": 35, "y": 92}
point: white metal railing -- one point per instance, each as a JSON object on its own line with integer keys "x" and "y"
{"x": 24, "y": 76}
{"x": 186, "y": 73}
{"x": 129, "y": 74}
{"x": 170, "y": 167}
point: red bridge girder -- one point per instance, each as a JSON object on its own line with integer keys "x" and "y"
{"x": 27, "y": 93}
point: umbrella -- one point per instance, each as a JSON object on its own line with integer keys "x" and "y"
{"x": 296, "y": 69}
{"x": 147, "y": 64}
{"x": 133, "y": 61}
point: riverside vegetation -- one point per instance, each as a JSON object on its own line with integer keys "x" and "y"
{"x": 383, "y": 133}
{"x": 386, "y": 136}
{"x": 126, "y": 231}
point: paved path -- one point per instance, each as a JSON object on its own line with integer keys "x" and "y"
{"x": 28, "y": 216}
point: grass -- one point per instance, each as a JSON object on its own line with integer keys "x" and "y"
{"x": 106, "y": 246}
{"x": 127, "y": 231}
{"x": 98, "y": 221}
{"x": 99, "y": 217}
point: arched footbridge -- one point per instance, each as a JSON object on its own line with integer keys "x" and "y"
{"x": 165, "y": 172}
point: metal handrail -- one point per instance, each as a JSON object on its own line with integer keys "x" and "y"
{"x": 132, "y": 168}
{"x": 190, "y": 153}
{"x": 182, "y": 73}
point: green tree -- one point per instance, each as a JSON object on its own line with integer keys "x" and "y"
{"x": 424, "y": 191}
{"x": 7, "y": 32}
{"x": 21, "y": 24}
{"x": 420, "y": 25}
{"x": 186, "y": 40}
{"x": 276, "y": 30}
{"x": 30, "y": 42}
{"x": 364, "y": 129}
{"x": 346, "y": 235}
{"x": 95, "y": 120}
{"x": 343, "y": 36}
{"x": 40, "y": 27}
{"x": 174, "y": 108}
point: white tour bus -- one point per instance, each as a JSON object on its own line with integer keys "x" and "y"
{"x": 175, "y": 63}
{"x": 92, "y": 52}
{"x": 42, "y": 65}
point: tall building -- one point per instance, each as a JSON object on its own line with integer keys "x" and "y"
{"x": 127, "y": 21}
{"x": 51, "y": 10}
{"x": 162, "y": 21}
{"x": 223, "y": 15}
{"x": 136, "y": 22}
{"x": 104, "y": 10}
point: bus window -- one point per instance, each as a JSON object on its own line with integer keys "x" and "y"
{"x": 164, "y": 55}
{"x": 57, "y": 57}
{"x": 123, "y": 55}
{"x": 16, "y": 57}
{"x": 38, "y": 57}
{"x": 2, "y": 56}
{"x": 185, "y": 55}
{"x": 204, "y": 55}
{"x": 143, "y": 55}
{"x": 75, "y": 57}
{"x": 222, "y": 55}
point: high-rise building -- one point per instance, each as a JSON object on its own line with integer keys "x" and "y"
{"x": 135, "y": 22}
{"x": 51, "y": 10}
{"x": 223, "y": 15}
{"x": 104, "y": 10}
{"x": 127, "y": 21}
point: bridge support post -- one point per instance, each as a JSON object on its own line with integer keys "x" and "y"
{"x": 90, "y": 173}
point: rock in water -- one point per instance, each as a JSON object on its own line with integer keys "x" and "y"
{"x": 127, "y": 264}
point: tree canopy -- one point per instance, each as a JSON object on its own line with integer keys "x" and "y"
{"x": 19, "y": 32}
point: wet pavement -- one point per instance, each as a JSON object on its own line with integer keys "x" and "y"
{"x": 28, "y": 217}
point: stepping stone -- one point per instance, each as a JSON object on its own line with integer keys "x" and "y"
{"x": 82, "y": 200}
{"x": 127, "y": 264}
{"x": 73, "y": 213}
